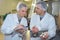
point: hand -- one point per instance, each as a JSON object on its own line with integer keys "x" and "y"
{"x": 20, "y": 28}
{"x": 35, "y": 29}
{"x": 44, "y": 36}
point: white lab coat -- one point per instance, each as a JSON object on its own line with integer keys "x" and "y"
{"x": 47, "y": 23}
{"x": 10, "y": 24}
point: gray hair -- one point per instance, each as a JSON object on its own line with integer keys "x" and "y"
{"x": 20, "y": 5}
{"x": 43, "y": 4}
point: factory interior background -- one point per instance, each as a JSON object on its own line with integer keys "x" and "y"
{"x": 9, "y": 6}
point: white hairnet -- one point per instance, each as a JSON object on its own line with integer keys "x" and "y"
{"x": 42, "y": 4}
{"x": 20, "y": 5}
{"x": 17, "y": 8}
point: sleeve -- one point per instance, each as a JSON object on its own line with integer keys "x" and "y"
{"x": 7, "y": 26}
{"x": 52, "y": 28}
{"x": 32, "y": 22}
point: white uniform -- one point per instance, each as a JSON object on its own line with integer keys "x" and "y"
{"x": 10, "y": 24}
{"x": 47, "y": 23}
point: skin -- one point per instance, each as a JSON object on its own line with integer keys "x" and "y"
{"x": 22, "y": 12}
{"x": 35, "y": 29}
{"x": 39, "y": 10}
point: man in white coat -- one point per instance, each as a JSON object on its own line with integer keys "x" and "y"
{"x": 14, "y": 22}
{"x": 41, "y": 21}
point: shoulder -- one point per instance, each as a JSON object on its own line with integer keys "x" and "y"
{"x": 11, "y": 15}
{"x": 50, "y": 17}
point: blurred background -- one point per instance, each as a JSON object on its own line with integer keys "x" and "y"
{"x": 9, "y": 6}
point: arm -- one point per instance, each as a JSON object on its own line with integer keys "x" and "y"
{"x": 7, "y": 26}
{"x": 52, "y": 28}
{"x": 32, "y": 22}
{"x": 22, "y": 26}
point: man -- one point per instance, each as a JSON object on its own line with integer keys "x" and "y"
{"x": 41, "y": 21}
{"x": 14, "y": 22}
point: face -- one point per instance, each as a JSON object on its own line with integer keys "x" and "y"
{"x": 23, "y": 11}
{"x": 38, "y": 9}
